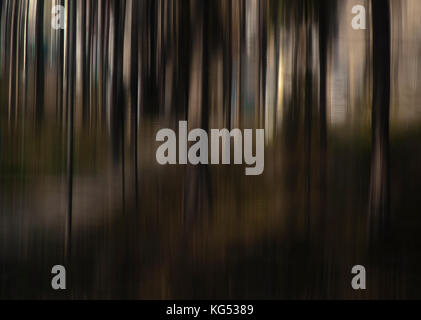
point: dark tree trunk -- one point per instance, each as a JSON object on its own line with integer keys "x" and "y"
{"x": 70, "y": 94}
{"x": 39, "y": 42}
{"x": 323, "y": 40}
{"x": 60, "y": 72}
{"x": 379, "y": 182}
{"x": 327, "y": 31}
{"x": 117, "y": 102}
{"x": 134, "y": 85}
{"x": 84, "y": 63}
{"x": 308, "y": 112}
{"x": 197, "y": 198}
{"x": 13, "y": 61}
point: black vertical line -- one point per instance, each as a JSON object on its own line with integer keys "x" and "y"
{"x": 380, "y": 184}
{"x": 39, "y": 35}
{"x": 71, "y": 83}
{"x": 308, "y": 110}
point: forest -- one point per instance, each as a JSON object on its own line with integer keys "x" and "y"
{"x": 80, "y": 184}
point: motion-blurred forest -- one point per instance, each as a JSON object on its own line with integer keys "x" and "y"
{"x": 80, "y": 186}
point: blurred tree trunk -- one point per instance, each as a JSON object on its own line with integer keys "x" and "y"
{"x": 262, "y": 61}
{"x": 379, "y": 182}
{"x": 12, "y": 62}
{"x": 116, "y": 102}
{"x": 197, "y": 185}
{"x": 70, "y": 100}
{"x": 83, "y": 61}
{"x": 60, "y": 73}
{"x": 134, "y": 91}
{"x": 323, "y": 47}
{"x": 293, "y": 112}
{"x": 39, "y": 43}
{"x": 327, "y": 14}
{"x": 308, "y": 112}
